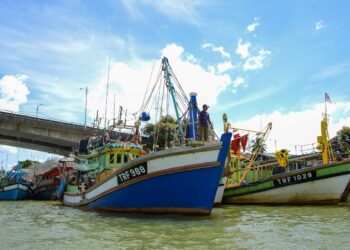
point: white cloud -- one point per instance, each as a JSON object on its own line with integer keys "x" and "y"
{"x": 243, "y": 49}
{"x": 225, "y": 66}
{"x": 332, "y": 71}
{"x": 130, "y": 6}
{"x": 220, "y": 49}
{"x": 298, "y": 128}
{"x": 238, "y": 81}
{"x": 129, "y": 81}
{"x": 191, "y": 58}
{"x": 13, "y": 92}
{"x": 212, "y": 69}
{"x": 256, "y": 62}
{"x": 253, "y": 97}
{"x": 319, "y": 25}
{"x": 183, "y": 10}
{"x": 251, "y": 27}
{"x": 11, "y": 150}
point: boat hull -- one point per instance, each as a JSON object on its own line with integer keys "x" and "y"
{"x": 44, "y": 192}
{"x": 14, "y": 192}
{"x": 323, "y": 191}
{"x": 179, "y": 192}
{"x": 220, "y": 192}
{"x": 182, "y": 182}
{"x": 325, "y": 184}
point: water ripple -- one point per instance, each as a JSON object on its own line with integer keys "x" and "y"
{"x": 47, "y": 225}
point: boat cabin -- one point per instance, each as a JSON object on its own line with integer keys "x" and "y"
{"x": 96, "y": 160}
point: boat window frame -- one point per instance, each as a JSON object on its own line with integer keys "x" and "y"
{"x": 119, "y": 158}
{"x": 111, "y": 158}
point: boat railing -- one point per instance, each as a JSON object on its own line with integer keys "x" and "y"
{"x": 300, "y": 158}
{"x": 306, "y": 149}
{"x": 263, "y": 170}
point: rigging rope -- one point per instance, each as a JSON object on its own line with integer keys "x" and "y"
{"x": 149, "y": 82}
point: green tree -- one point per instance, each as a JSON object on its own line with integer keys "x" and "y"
{"x": 255, "y": 144}
{"x": 343, "y": 141}
{"x": 27, "y": 163}
{"x": 163, "y": 132}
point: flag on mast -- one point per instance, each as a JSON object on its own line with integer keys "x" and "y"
{"x": 327, "y": 97}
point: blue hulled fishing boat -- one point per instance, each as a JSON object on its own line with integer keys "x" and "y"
{"x": 121, "y": 176}
{"x": 15, "y": 185}
{"x": 179, "y": 180}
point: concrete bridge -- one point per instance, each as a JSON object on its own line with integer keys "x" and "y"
{"x": 45, "y": 135}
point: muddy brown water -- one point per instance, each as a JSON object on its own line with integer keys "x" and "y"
{"x": 48, "y": 225}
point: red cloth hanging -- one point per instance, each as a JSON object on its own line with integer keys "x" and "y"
{"x": 244, "y": 140}
{"x": 235, "y": 143}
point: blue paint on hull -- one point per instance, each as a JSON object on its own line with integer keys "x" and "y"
{"x": 14, "y": 194}
{"x": 183, "y": 190}
{"x": 191, "y": 191}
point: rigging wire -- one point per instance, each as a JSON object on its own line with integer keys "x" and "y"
{"x": 156, "y": 134}
{"x": 159, "y": 95}
{"x": 178, "y": 83}
{"x": 149, "y": 82}
{"x": 143, "y": 108}
{"x": 161, "y": 103}
{"x": 167, "y": 115}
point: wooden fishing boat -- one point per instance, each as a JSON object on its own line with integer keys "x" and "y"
{"x": 220, "y": 192}
{"x": 45, "y": 184}
{"x": 14, "y": 186}
{"x": 346, "y": 195}
{"x": 307, "y": 179}
{"x": 178, "y": 180}
{"x": 322, "y": 184}
{"x": 120, "y": 176}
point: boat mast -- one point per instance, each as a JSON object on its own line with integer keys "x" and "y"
{"x": 109, "y": 68}
{"x": 323, "y": 139}
{"x": 170, "y": 85}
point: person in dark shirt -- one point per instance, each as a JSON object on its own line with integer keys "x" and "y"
{"x": 204, "y": 122}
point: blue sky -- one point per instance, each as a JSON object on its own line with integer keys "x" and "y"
{"x": 259, "y": 61}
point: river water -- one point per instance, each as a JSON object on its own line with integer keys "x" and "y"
{"x": 49, "y": 225}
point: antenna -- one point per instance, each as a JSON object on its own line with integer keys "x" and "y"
{"x": 109, "y": 67}
{"x": 114, "y": 110}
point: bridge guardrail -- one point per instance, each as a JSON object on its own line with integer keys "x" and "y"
{"x": 47, "y": 118}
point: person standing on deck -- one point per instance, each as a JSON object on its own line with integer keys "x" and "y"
{"x": 204, "y": 121}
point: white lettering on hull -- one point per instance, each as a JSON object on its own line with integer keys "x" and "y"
{"x": 306, "y": 192}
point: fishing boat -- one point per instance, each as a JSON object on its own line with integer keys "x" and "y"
{"x": 315, "y": 178}
{"x": 220, "y": 192}
{"x": 45, "y": 184}
{"x": 14, "y": 185}
{"x": 121, "y": 176}
{"x": 346, "y": 195}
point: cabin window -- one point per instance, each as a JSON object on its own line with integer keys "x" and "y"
{"x": 111, "y": 158}
{"x": 119, "y": 158}
{"x": 125, "y": 158}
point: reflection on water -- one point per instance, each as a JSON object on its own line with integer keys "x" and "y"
{"x": 47, "y": 225}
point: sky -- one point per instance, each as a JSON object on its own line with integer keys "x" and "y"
{"x": 258, "y": 61}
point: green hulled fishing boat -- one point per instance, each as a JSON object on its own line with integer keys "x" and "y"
{"x": 316, "y": 178}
